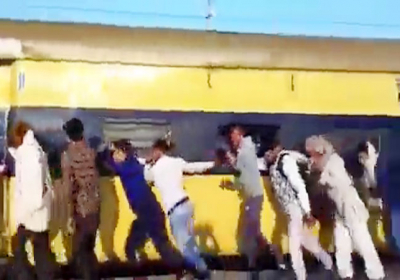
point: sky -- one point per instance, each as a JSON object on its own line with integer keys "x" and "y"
{"x": 339, "y": 18}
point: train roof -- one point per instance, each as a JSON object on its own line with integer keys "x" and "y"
{"x": 184, "y": 48}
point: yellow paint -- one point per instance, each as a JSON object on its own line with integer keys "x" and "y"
{"x": 5, "y": 86}
{"x": 216, "y": 218}
{"x": 69, "y": 84}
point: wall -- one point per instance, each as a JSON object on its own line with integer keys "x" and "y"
{"x": 362, "y": 19}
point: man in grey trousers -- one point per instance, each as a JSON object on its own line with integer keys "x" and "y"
{"x": 247, "y": 180}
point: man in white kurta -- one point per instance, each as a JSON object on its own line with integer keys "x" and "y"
{"x": 290, "y": 190}
{"x": 32, "y": 200}
{"x": 351, "y": 216}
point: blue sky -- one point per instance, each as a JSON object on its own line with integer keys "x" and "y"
{"x": 351, "y": 18}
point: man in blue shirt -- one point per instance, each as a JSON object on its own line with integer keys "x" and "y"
{"x": 150, "y": 218}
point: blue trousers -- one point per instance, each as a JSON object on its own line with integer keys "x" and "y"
{"x": 181, "y": 220}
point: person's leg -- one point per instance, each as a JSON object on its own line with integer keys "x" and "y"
{"x": 343, "y": 246}
{"x": 182, "y": 228}
{"x": 44, "y": 259}
{"x": 255, "y": 207}
{"x": 252, "y": 228}
{"x": 93, "y": 267}
{"x": 21, "y": 269}
{"x": 84, "y": 243}
{"x": 136, "y": 238}
{"x": 90, "y": 241}
{"x": 157, "y": 231}
{"x": 295, "y": 232}
{"x": 311, "y": 244}
{"x": 364, "y": 245}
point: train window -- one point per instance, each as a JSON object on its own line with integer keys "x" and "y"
{"x": 141, "y": 132}
{"x": 262, "y": 134}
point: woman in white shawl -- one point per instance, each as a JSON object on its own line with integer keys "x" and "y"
{"x": 351, "y": 216}
{"x": 32, "y": 200}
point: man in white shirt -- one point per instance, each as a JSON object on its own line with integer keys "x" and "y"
{"x": 351, "y": 215}
{"x": 248, "y": 183}
{"x": 290, "y": 190}
{"x": 166, "y": 173}
{"x": 32, "y": 200}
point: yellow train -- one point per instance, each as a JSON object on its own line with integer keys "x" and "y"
{"x": 196, "y": 83}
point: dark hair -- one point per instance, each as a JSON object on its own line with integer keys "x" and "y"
{"x": 163, "y": 145}
{"x": 274, "y": 144}
{"x": 238, "y": 128}
{"x": 74, "y": 129}
{"x": 124, "y": 145}
{"x": 18, "y": 133}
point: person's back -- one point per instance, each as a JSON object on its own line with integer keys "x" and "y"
{"x": 341, "y": 188}
{"x": 80, "y": 177}
{"x": 79, "y": 160}
{"x": 139, "y": 194}
{"x": 247, "y": 165}
{"x": 168, "y": 178}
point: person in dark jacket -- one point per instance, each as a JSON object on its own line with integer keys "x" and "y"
{"x": 150, "y": 218}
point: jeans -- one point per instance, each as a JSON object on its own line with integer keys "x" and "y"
{"x": 44, "y": 259}
{"x": 181, "y": 220}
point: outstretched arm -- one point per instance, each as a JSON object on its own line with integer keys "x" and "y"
{"x": 197, "y": 167}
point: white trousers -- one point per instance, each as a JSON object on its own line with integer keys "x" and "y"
{"x": 301, "y": 236}
{"x": 356, "y": 235}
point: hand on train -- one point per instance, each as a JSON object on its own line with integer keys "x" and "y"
{"x": 226, "y": 184}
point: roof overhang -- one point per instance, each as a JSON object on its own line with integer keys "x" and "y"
{"x": 167, "y": 47}
{"x": 10, "y": 48}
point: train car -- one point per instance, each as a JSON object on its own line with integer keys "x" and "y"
{"x": 195, "y": 84}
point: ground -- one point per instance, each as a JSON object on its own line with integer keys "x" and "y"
{"x": 228, "y": 268}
